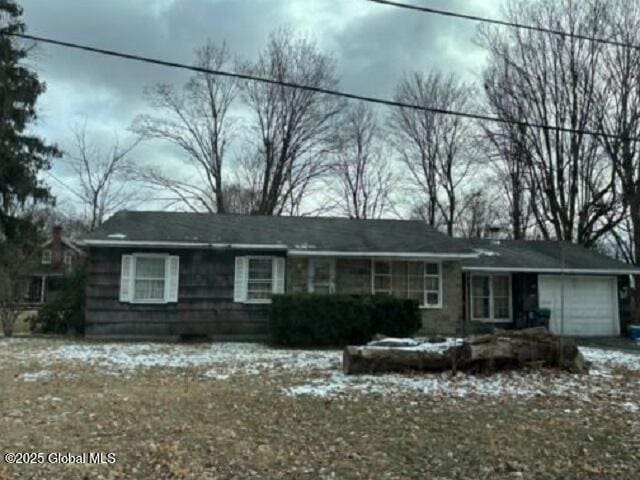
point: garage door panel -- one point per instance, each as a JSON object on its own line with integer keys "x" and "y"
{"x": 590, "y": 304}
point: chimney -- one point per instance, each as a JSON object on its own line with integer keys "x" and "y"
{"x": 56, "y": 245}
{"x": 494, "y": 232}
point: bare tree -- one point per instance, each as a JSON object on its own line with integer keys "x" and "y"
{"x": 620, "y": 94}
{"x": 102, "y": 176}
{"x": 505, "y": 147}
{"x": 434, "y": 146}
{"x": 292, "y": 128}
{"x": 480, "y": 213}
{"x": 239, "y": 198}
{"x": 362, "y": 180}
{"x": 552, "y": 80}
{"x": 196, "y": 119}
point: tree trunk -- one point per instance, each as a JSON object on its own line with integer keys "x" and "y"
{"x": 502, "y": 350}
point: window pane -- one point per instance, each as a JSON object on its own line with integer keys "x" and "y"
{"x": 481, "y": 308}
{"x": 433, "y": 283}
{"x": 480, "y": 286}
{"x": 501, "y": 308}
{"x": 259, "y": 290}
{"x": 149, "y": 290}
{"x": 399, "y": 283}
{"x": 322, "y": 271}
{"x": 149, "y": 267}
{"x": 432, "y": 269}
{"x": 382, "y": 283}
{"x": 501, "y": 286}
{"x": 433, "y": 299}
{"x": 382, "y": 267}
{"x": 260, "y": 269}
{"x": 416, "y": 283}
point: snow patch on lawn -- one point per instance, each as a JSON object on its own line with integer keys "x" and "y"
{"x": 600, "y": 385}
{"x": 506, "y": 384}
{"x": 35, "y": 376}
{"x": 415, "y": 345}
{"x": 227, "y": 358}
{"x": 604, "y": 360}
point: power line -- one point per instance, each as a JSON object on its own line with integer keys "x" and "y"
{"x": 326, "y": 91}
{"x": 504, "y": 23}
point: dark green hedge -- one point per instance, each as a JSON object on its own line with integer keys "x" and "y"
{"x": 64, "y": 314}
{"x": 306, "y": 320}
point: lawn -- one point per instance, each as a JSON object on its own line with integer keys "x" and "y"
{"x": 248, "y": 411}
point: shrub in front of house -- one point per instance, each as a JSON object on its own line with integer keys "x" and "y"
{"x": 305, "y": 320}
{"x": 395, "y": 317}
{"x": 65, "y": 313}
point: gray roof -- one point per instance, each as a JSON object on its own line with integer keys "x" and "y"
{"x": 520, "y": 255}
{"x": 293, "y": 233}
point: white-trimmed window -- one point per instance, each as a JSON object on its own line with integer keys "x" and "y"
{"x": 322, "y": 276}
{"x": 420, "y": 281}
{"x": 149, "y": 278}
{"x": 258, "y": 278}
{"x": 46, "y": 257}
{"x": 490, "y": 297}
{"x": 67, "y": 258}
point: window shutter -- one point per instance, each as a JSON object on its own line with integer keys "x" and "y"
{"x": 172, "y": 277}
{"x": 240, "y": 280}
{"x": 126, "y": 278}
{"x": 278, "y": 275}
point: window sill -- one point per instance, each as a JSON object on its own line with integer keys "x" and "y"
{"x": 490, "y": 320}
{"x": 257, "y": 302}
{"x": 148, "y": 302}
{"x": 430, "y": 307}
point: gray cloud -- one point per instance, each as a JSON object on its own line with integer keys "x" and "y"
{"x": 373, "y": 44}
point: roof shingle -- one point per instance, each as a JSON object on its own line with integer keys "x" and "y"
{"x": 308, "y": 233}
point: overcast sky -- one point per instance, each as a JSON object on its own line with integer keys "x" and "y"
{"x": 373, "y": 44}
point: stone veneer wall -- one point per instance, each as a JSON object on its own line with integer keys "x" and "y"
{"x": 449, "y": 319}
{"x": 353, "y": 277}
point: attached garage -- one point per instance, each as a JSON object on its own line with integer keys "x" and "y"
{"x": 591, "y": 288}
{"x": 590, "y": 304}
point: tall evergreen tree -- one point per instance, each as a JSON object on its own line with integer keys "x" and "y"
{"x": 22, "y": 155}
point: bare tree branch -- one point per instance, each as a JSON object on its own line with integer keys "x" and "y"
{"x": 102, "y": 176}
{"x": 292, "y": 128}
{"x": 195, "y": 119}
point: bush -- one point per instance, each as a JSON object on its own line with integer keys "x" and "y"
{"x": 306, "y": 320}
{"x": 65, "y": 313}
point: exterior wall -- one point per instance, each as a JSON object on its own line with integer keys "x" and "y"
{"x": 353, "y": 277}
{"x": 205, "y": 299}
{"x": 447, "y": 320}
{"x": 297, "y": 269}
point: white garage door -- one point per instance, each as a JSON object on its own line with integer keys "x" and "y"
{"x": 590, "y": 304}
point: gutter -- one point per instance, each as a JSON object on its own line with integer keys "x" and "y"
{"x": 292, "y": 252}
{"x": 134, "y": 243}
{"x": 419, "y": 255}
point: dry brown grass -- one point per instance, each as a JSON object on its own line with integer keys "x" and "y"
{"x": 169, "y": 424}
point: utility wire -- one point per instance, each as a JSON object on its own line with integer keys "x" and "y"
{"x": 326, "y": 91}
{"x": 504, "y": 23}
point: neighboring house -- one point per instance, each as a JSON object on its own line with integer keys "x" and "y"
{"x": 164, "y": 274}
{"x": 49, "y": 264}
